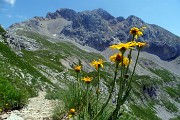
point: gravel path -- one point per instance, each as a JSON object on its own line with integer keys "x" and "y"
{"x": 38, "y": 108}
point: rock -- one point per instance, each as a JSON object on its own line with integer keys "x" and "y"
{"x": 4, "y": 116}
{"x": 133, "y": 19}
{"x": 120, "y": 19}
{"x": 65, "y": 13}
{"x": 46, "y": 118}
{"x": 29, "y": 118}
{"x": 17, "y": 112}
{"x": 165, "y": 52}
{"x": 14, "y": 117}
{"x": 104, "y": 14}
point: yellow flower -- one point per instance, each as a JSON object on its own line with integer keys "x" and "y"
{"x": 87, "y": 79}
{"x": 126, "y": 61}
{"x": 0, "y": 110}
{"x": 122, "y": 46}
{"x": 132, "y": 44}
{"x": 77, "y": 68}
{"x": 72, "y": 111}
{"x": 6, "y": 104}
{"x": 69, "y": 116}
{"x": 116, "y": 58}
{"x": 136, "y": 32}
{"x": 97, "y": 64}
{"x": 140, "y": 44}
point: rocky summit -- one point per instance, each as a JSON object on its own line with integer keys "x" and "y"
{"x": 99, "y": 29}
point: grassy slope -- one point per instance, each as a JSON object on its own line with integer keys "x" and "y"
{"x": 22, "y": 74}
{"x": 15, "y": 86}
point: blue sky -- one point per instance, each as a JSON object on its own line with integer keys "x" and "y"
{"x": 165, "y": 13}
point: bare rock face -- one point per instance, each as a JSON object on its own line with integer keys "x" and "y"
{"x": 162, "y": 43}
{"x": 164, "y": 51}
{"x": 91, "y": 28}
{"x": 64, "y": 13}
{"x": 99, "y": 29}
{"x": 104, "y": 14}
{"x": 14, "y": 117}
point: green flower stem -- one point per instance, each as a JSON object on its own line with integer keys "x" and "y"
{"x": 135, "y": 65}
{"x": 110, "y": 94}
{"x": 129, "y": 84}
{"x": 122, "y": 64}
{"x": 121, "y": 82}
{"x": 87, "y": 97}
{"x": 120, "y": 92}
{"x": 129, "y": 56}
{"x": 97, "y": 92}
{"x": 77, "y": 89}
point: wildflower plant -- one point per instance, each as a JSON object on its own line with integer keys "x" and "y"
{"x": 77, "y": 69}
{"x": 122, "y": 79}
{"x": 98, "y": 65}
{"x": 77, "y": 94}
{"x": 87, "y": 80}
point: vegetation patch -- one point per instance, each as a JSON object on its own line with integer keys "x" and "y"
{"x": 165, "y": 75}
{"x": 145, "y": 113}
{"x": 173, "y": 91}
{"x": 170, "y": 106}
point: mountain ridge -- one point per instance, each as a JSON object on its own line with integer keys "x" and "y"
{"x": 99, "y": 29}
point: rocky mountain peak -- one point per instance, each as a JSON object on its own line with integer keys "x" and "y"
{"x": 65, "y": 13}
{"x": 135, "y": 21}
{"x": 120, "y": 19}
{"x": 133, "y": 18}
{"x": 104, "y": 14}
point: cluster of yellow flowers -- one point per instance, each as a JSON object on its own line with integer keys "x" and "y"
{"x": 129, "y": 45}
{"x": 121, "y": 60}
{"x": 122, "y": 47}
{"x": 118, "y": 58}
{"x": 97, "y": 64}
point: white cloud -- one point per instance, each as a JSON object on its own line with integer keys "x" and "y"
{"x": 20, "y": 16}
{"x": 12, "y": 2}
{"x": 16, "y": 16}
{"x": 9, "y": 16}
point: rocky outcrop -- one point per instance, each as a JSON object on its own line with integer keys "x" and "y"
{"x": 20, "y": 42}
{"x": 64, "y": 13}
{"x": 104, "y": 14}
